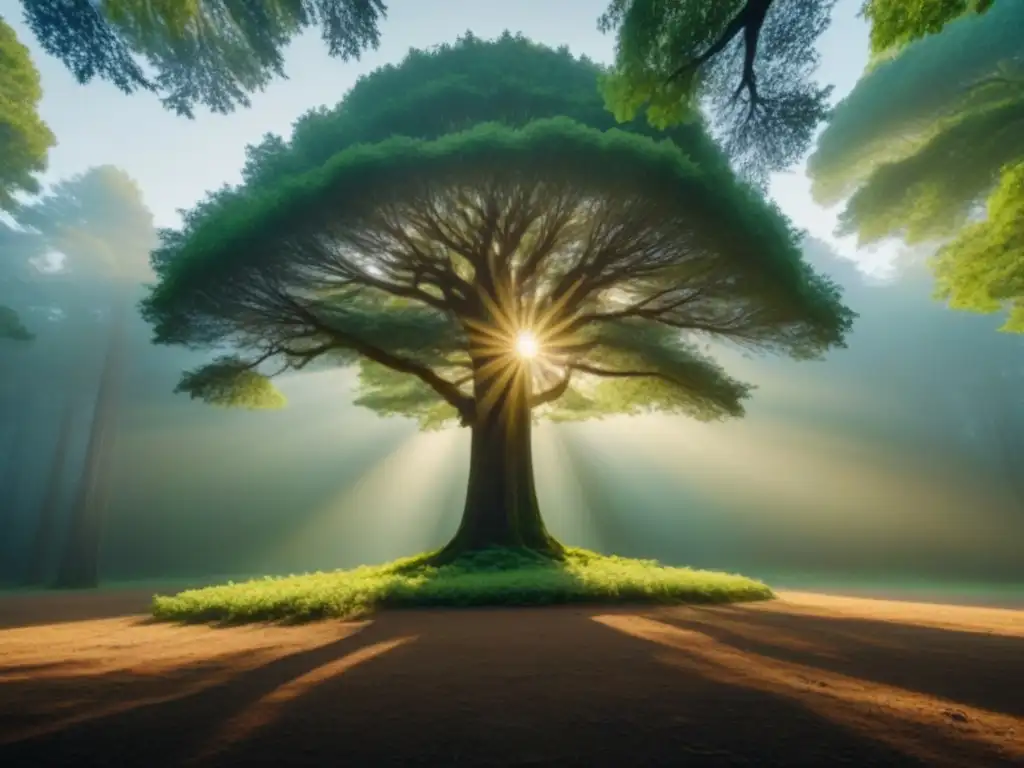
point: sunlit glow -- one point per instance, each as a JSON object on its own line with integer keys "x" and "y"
{"x": 350, "y": 522}
{"x": 526, "y": 345}
{"x": 887, "y": 712}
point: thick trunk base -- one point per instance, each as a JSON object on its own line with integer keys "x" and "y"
{"x": 501, "y": 508}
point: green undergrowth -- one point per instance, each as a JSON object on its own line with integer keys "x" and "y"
{"x": 490, "y": 578}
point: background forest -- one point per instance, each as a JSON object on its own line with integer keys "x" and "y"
{"x": 896, "y": 458}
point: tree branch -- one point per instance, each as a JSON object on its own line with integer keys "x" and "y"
{"x": 639, "y": 309}
{"x": 594, "y": 370}
{"x": 442, "y": 386}
{"x": 406, "y": 292}
{"x": 749, "y": 19}
{"x": 560, "y": 388}
{"x": 555, "y": 392}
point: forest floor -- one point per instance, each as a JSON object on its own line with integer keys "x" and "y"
{"x": 806, "y": 680}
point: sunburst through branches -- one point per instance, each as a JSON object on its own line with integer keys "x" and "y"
{"x": 526, "y": 345}
{"x": 523, "y": 351}
{"x": 489, "y": 271}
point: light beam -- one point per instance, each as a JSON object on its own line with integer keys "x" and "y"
{"x": 526, "y": 345}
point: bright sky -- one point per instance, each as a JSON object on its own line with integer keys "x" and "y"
{"x": 176, "y": 160}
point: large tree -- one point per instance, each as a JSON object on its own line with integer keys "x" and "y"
{"x": 468, "y": 230}
{"x": 99, "y": 224}
{"x": 213, "y": 53}
{"x": 748, "y": 63}
{"x": 923, "y": 140}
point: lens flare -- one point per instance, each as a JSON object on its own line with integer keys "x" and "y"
{"x": 526, "y": 345}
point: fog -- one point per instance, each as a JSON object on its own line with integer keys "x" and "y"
{"x": 892, "y": 459}
{"x": 895, "y": 460}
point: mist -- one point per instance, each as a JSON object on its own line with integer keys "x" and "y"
{"x": 894, "y": 460}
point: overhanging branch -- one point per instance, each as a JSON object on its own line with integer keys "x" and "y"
{"x": 749, "y": 19}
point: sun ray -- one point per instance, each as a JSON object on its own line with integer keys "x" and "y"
{"x": 492, "y": 392}
{"x": 527, "y": 346}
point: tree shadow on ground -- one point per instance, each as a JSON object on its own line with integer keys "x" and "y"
{"x": 568, "y": 686}
{"x": 971, "y": 668}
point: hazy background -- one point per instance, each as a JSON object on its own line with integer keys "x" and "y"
{"x": 896, "y": 460}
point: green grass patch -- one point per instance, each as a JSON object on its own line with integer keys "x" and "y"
{"x": 489, "y": 578}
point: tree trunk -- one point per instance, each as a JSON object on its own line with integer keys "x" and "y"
{"x": 501, "y": 507}
{"x": 79, "y": 566}
{"x": 37, "y": 571}
{"x": 10, "y": 484}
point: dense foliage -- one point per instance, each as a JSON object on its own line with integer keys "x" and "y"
{"x": 748, "y": 63}
{"x": 923, "y": 140}
{"x": 419, "y": 253}
{"x": 895, "y": 23}
{"x": 25, "y": 140}
{"x": 982, "y": 269}
{"x": 212, "y": 53}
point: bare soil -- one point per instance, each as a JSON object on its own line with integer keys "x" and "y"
{"x": 807, "y": 680}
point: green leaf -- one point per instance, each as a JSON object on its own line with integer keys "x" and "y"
{"x": 982, "y": 270}
{"x": 211, "y": 53}
{"x": 675, "y": 57}
{"x": 25, "y": 140}
{"x": 898, "y": 106}
{"x": 231, "y": 382}
{"x": 895, "y": 23}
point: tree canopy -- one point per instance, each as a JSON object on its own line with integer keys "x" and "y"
{"x": 432, "y": 93}
{"x": 895, "y": 23}
{"x": 98, "y": 227}
{"x": 98, "y": 221}
{"x": 425, "y": 255}
{"x": 749, "y": 63}
{"x": 25, "y": 140}
{"x": 920, "y": 143}
{"x": 982, "y": 269}
{"x": 212, "y": 53}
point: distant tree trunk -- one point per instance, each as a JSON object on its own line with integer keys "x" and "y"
{"x": 9, "y": 477}
{"x": 1010, "y": 448}
{"x": 46, "y": 524}
{"x": 501, "y": 507}
{"x": 79, "y": 566}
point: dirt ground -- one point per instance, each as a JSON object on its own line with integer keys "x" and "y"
{"x": 807, "y": 680}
